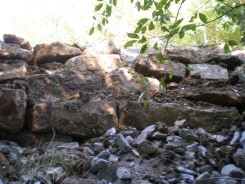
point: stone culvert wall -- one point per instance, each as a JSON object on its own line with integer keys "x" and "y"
{"x": 79, "y": 92}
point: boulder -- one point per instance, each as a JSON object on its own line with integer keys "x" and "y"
{"x": 210, "y": 118}
{"x": 207, "y": 71}
{"x": 98, "y": 63}
{"x": 74, "y": 117}
{"x": 63, "y": 85}
{"x": 12, "y": 109}
{"x": 153, "y": 68}
{"x": 106, "y": 47}
{"x": 59, "y": 52}
{"x": 8, "y": 51}
{"x": 10, "y": 38}
{"x": 12, "y": 69}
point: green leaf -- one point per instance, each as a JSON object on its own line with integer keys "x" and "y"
{"x": 143, "y": 30}
{"x": 175, "y": 31}
{"x": 177, "y": 23}
{"x": 99, "y": 27}
{"x": 189, "y": 27}
{"x": 142, "y": 40}
{"x": 181, "y": 34}
{"x": 166, "y": 7}
{"x": 138, "y": 29}
{"x": 203, "y": 18}
{"x": 232, "y": 42}
{"x": 193, "y": 17}
{"x": 176, "y": 1}
{"x": 164, "y": 28}
{"x": 151, "y": 26}
{"x": 170, "y": 75}
{"x": 94, "y": 17}
{"x": 142, "y": 21}
{"x": 160, "y": 57}
{"x": 91, "y": 31}
{"x": 155, "y": 46}
{"x": 226, "y": 48}
{"x": 130, "y": 43}
{"x": 108, "y": 10}
{"x": 133, "y": 35}
{"x": 115, "y": 2}
{"x": 143, "y": 49}
{"x": 104, "y": 21}
{"x": 98, "y": 7}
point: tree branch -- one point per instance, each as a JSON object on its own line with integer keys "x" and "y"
{"x": 230, "y": 10}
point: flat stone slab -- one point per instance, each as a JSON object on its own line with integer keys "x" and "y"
{"x": 207, "y": 71}
{"x": 209, "y": 118}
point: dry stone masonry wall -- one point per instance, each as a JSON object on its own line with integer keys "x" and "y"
{"x": 80, "y": 92}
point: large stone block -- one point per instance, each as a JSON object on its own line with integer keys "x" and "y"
{"x": 12, "y": 109}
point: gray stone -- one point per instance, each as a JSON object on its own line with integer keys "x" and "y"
{"x": 206, "y": 71}
{"x": 188, "y": 178}
{"x": 129, "y": 139}
{"x": 123, "y": 173}
{"x": 202, "y": 150}
{"x": 12, "y": 52}
{"x": 13, "y": 39}
{"x": 175, "y": 141}
{"x": 159, "y": 136}
{"x": 112, "y": 131}
{"x": 56, "y": 173}
{"x": 88, "y": 151}
{"x": 144, "y": 134}
{"x": 205, "y": 178}
{"x": 98, "y": 146}
{"x": 141, "y": 182}
{"x": 186, "y": 171}
{"x": 123, "y": 143}
{"x": 135, "y": 153}
{"x": 209, "y": 118}
{"x": 190, "y": 155}
{"x": 146, "y": 147}
{"x": 220, "y": 138}
{"x": 192, "y": 147}
{"x": 113, "y": 158}
{"x": 108, "y": 173}
{"x": 227, "y": 179}
{"x": 188, "y": 134}
{"x": 70, "y": 145}
{"x": 104, "y": 154}
{"x": 232, "y": 170}
{"x": 242, "y": 140}
{"x": 239, "y": 158}
{"x": 97, "y": 164}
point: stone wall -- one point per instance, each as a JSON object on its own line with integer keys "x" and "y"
{"x": 79, "y": 92}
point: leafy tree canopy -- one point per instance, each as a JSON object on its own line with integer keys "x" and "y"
{"x": 203, "y": 21}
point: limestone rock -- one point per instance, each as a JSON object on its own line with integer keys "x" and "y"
{"x": 10, "y": 38}
{"x": 153, "y": 68}
{"x": 239, "y": 158}
{"x": 136, "y": 115}
{"x": 106, "y": 47}
{"x": 8, "y": 51}
{"x": 12, "y": 69}
{"x": 74, "y": 118}
{"x": 12, "y": 109}
{"x": 206, "y": 71}
{"x": 59, "y": 52}
{"x": 232, "y": 170}
{"x": 98, "y": 63}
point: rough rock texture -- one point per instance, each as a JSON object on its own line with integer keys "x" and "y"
{"x": 206, "y": 71}
{"x": 76, "y": 118}
{"x": 212, "y": 119}
{"x": 153, "y": 68}
{"x": 10, "y": 38}
{"x": 98, "y": 63}
{"x": 12, "y": 109}
{"x": 12, "y": 69}
{"x": 106, "y": 47}
{"x": 59, "y": 52}
{"x": 8, "y": 51}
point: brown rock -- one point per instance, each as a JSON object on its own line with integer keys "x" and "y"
{"x": 98, "y": 63}
{"x": 12, "y": 109}
{"x": 107, "y": 47}
{"x": 10, "y": 38}
{"x": 59, "y": 52}
{"x": 74, "y": 118}
{"x": 8, "y": 51}
{"x": 153, "y": 68}
{"x": 12, "y": 69}
{"x": 209, "y": 118}
{"x": 63, "y": 85}
{"x": 3, "y": 160}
